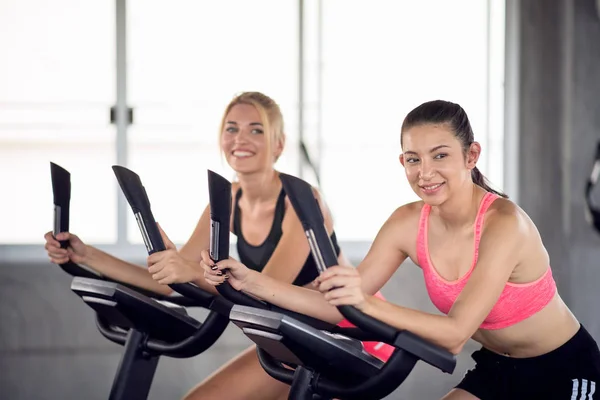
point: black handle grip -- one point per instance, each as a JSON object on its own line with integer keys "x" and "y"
{"x": 61, "y": 193}
{"x": 61, "y": 190}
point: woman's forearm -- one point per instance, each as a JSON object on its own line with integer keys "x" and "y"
{"x": 438, "y": 329}
{"x": 122, "y": 271}
{"x": 291, "y": 297}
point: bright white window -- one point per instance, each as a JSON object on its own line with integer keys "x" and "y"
{"x": 181, "y": 77}
{"x": 57, "y": 80}
{"x": 364, "y": 68}
{"x": 379, "y": 62}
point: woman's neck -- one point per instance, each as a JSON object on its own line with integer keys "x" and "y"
{"x": 461, "y": 209}
{"x": 260, "y": 186}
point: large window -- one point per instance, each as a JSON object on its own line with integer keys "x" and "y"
{"x": 344, "y": 87}
{"x": 181, "y": 78}
{"x": 379, "y": 62}
{"x": 56, "y": 87}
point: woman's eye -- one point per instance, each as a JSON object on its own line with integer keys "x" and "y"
{"x": 412, "y": 160}
{"x": 440, "y": 156}
{"x": 231, "y": 129}
{"x": 257, "y": 131}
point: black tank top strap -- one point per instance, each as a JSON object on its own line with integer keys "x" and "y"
{"x": 276, "y": 230}
{"x": 237, "y": 228}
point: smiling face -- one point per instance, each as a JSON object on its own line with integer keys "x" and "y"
{"x": 435, "y": 162}
{"x": 245, "y": 141}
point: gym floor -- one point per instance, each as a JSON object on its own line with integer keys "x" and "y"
{"x": 50, "y": 347}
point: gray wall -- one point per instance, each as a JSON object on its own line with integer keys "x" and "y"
{"x": 559, "y": 126}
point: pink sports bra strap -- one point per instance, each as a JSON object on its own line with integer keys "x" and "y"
{"x": 486, "y": 202}
{"x": 422, "y": 236}
{"x": 422, "y": 256}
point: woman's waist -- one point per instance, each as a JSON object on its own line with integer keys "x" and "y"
{"x": 539, "y": 334}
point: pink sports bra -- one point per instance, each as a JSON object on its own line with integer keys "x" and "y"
{"x": 517, "y": 302}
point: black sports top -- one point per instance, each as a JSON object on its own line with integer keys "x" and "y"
{"x": 256, "y": 257}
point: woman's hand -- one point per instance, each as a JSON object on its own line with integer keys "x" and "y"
{"x": 342, "y": 285}
{"x": 76, "y": 251}
{"x": 231, "y": 270}
{"x": 167, "y": 266}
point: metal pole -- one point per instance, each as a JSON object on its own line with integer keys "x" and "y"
{"x": 319, "y": 87}
{"x": 301, "y": 160}
{"x": 121, "y": 114}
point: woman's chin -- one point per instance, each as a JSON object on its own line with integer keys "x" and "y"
{"x": 432, "y": 201}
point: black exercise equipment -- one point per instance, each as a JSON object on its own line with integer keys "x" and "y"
{"x": 147, "y": 324}
{"x": 320, "y": 363}
{"x": 146, "y": 327}
{"x": 137, "y": 197}
{"x": 593, "y": 210}
{"x": 220, "y": 194}
{"x": 61, "y": 191}
{"x": 135, "y": 193}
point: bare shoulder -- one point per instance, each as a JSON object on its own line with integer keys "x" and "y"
{"x": 402, "y": 225}
{"x": 506, "y": 218}
{"x": 510, "y": 234}
{"x": 408, "y": 213}
{"x": 397, "y": 236}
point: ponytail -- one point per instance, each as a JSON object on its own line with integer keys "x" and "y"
{"x": 482, "y": 181}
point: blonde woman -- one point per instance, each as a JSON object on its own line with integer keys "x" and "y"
{"x": 270, "y": 240}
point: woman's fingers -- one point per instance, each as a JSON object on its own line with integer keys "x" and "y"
{"x": 214, "y": 279}
{"x": 338, "y": 270}
{"x": 341, "y": 292}
{"x": 344, "y": 301}
{"x": 161, "y": 274}
{"x": 57, "y": 260}
{"x": 337, "y": 282}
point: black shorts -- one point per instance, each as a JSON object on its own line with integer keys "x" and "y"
{"x": 572, "y": 371}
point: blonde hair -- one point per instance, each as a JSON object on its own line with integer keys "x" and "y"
{"x": 270, "y": 115}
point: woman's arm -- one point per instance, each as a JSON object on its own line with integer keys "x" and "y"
{"x": 383, "y": 259}
{"x": 101, "y": 262}
{"x": 499, "y": 253}
{"x": 173, "y": 266}
{"x": 284, "y": 264}
{"x": 122, "y": 271}
{"x": 303, "y": 300}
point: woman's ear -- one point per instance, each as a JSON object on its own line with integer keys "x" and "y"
{"x": 279, "y": 147}
{"x": 473, "y": 154}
